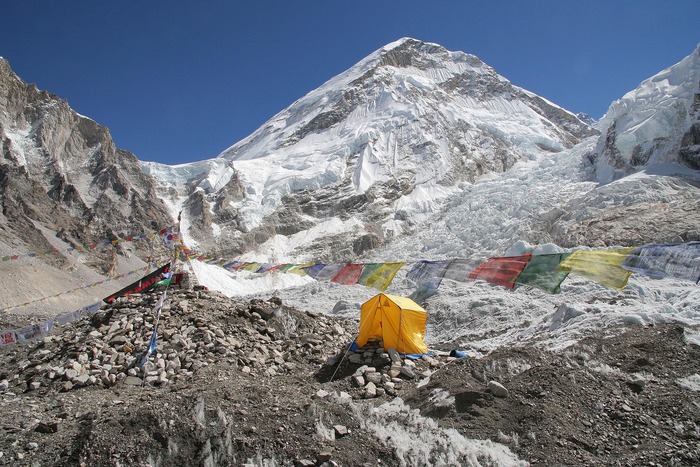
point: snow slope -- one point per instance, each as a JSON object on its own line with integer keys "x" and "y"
{"x": 648, "y": 124}
{"x": 399, "y": 130}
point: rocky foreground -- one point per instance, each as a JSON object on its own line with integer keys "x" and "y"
{"x": 236, "y": 382}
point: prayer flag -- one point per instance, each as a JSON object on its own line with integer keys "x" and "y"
{"x": 428, "y": 272}
{"x": 379, "y": 275}
{"x": 543, "y": 272}
{"x": 300, "y": 269}
{"x": 349, "y": 275}
{"x": 501, "y": 271}
{"x": 680, "y": 260}
{"x": 329, "y": 271}
{"x": 601, "y": 266}
{"x": 313, "y": 271}
{"x": 459, "y": 269}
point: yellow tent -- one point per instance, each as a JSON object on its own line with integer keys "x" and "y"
{"x": 398, "y": 321}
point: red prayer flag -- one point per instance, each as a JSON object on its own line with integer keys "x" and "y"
{"x": 349, "y": 275}
{"x": 501, "y": 271}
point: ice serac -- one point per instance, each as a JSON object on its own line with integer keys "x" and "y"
{"x": 657, "y": 123}
{"x": 379, "y": 147}
{"x": 60, "y": 172}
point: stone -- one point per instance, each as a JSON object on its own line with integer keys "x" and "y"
{"x": 34, "y": 385}
{"x": 118, "y": 341}
{"x": 373, "y": 377}
{"x": 355, "y": 358}
{"x": 370, "y": 391}
{"x": 340, "y": 431}
{"x": 31, "y": 446}
{"x": 133, "y": 381}
{"x": 82, "y": 379}
{"x": 637, "y": 382}
{"x": 394, "y": 355}
{"x": 320, "y": 394}
{"x": 430, "y": 360}
{"x": 4, "y": 385}
{"x": 497, "y": 389}
{"x": 407, "y": 372}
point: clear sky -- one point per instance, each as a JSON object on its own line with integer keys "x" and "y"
{"x": 180, "y": 81}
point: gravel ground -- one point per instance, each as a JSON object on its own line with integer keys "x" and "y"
{"x": 272, "y": 393}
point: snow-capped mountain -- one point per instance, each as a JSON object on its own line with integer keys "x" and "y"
{"x": 416, "y": 152}
{"x": 657, "y": 123}
{"x": 367, "y": 156}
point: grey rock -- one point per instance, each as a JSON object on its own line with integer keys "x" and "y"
{"x": 355, "y": 358}
{"x": 340, "y": 431}
{"x": 82, "y": 379}
{"x": 373, "y": 377}
{"x": 47, "y": 428}
{"x": 497, "y": 389}
{"x": 133, "y": 381}
{"x": 394, "y": 355}
{"x": 370, "y": 391}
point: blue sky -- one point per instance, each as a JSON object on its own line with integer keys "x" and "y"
{"x": 180, "y": 81}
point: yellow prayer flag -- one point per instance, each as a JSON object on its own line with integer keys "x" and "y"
{"x": 297, "y": 269}
{"x": 601, "y": 266}
{"x": 381, "y": 276}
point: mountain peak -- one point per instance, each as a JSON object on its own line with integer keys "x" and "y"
{"x": 656, "y": 123}
{"x": 396, "y": 133}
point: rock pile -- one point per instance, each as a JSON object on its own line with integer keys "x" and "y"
{"x": 196, "y": 328}
{"x": 379, "y": 372}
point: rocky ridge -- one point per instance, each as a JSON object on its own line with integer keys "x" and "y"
{"x": 60, "y": 172}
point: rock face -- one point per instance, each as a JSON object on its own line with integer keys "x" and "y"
{"x": 62, "y": 172}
